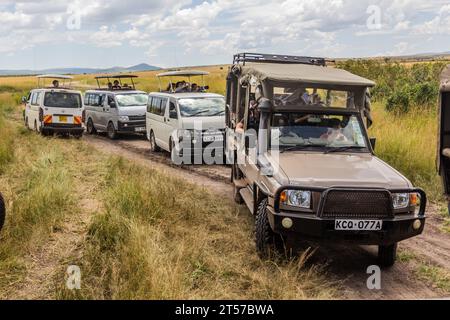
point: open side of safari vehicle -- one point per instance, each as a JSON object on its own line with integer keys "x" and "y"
{"x": 302, "y": 160}
{"x": 443, "y": 154}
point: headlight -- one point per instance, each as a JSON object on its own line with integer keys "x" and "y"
{"x": 400, "y": 200}
{"x": 296, "y": 198}
{"x": 124, "y": 119}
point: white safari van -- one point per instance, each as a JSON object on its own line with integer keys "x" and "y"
{"x": 55, "y": 108}
{"x": 117, "y": 108}
{"x": 186, "y": 121}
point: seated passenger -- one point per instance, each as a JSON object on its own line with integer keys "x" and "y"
{"x": 181, "y": 87}
{"x": 116, "y": 85}
{"x": 110, "y": 86}
{"x": 335, "y": 132}
{"x": 55, "y": 83}
{"x": 299, "y": 96}
{"x": 195, "y": 88}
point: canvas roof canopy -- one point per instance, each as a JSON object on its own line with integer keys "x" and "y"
{"x": 54, "y": 76}
{"x": 445, "y": 79}
{"x": 309, "y": 74}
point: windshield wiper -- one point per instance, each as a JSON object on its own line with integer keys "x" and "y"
{"x": 200, "y": 112}
{"x": 344, "y": 148}
{"x": 298, "y": 147}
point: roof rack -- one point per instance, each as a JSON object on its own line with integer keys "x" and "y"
{"x": 118, "y": 77}
{"x": 182, "y": 73}
{"x": 57, "y": 78}
{"x": 275, "y": 58}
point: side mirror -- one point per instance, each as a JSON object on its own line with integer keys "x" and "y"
{"x": 24, "y": 100}
{"x": 265, "y": 105}
{"x": 112, "y": 104}
{"x": 173, "y": 114}
{"x": 373, "y": 142}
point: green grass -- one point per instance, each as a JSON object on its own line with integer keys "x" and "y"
{"x": 163, "y": 238}
{"x": 439, "y": 277}
{"x": 408, "y": 143}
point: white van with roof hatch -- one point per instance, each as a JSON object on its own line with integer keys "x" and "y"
{"x": 55, "y": 108}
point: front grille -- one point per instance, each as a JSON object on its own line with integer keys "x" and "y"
{"x": 136, "y": 118}
{"x": 356, "y": 204}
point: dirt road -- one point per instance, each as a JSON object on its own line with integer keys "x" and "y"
{"x": 346, "y": 265}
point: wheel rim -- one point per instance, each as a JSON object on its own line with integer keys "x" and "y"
{"x": 89, "y": 126}
{"x": 110, "y": 130}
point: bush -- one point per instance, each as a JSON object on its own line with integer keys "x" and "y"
{"x": 399, "y": 86}
{"x": 398, "y": 102}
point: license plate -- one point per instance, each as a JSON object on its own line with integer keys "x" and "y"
{"x": 63, "y": 119}
{"x": 212, "y": 138}
{"x": 358, "y": 225}
{"x": 139, "y": 129}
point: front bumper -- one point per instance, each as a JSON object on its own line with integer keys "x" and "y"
{"x": 131, "y": 127}
{"x": 313, "y": 226}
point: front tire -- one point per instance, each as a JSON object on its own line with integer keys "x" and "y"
{"x": 267, "y": 241}
{"x": 387, "y": 255}
{"x": 112, "y": 133}
{"x": 2, "y": 212}
{"x": 153, "y": 146}
{"x": 90, "y": 128}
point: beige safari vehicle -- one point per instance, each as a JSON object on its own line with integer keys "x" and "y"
{"x": 302, "y": 160}
{"x": 443, "y": 159}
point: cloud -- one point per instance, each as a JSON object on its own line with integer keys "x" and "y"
{"x": 221, "y": 27}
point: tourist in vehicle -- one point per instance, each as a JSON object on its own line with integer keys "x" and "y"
{"x": 116, "y": 85}
{"x": 55, "y": 83}
{"x": 195, "y": 88}
{"x": 110, "y": 86}
{"x": 334, "y": 133}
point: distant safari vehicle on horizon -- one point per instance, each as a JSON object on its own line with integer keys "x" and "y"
{"x": 117, "y": 108}
{"x": 186, "y": 121}
{"x": 302, "y": 160}
{"x": 55, "y": 108}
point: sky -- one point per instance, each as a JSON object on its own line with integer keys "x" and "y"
{"x": 169, "y": 33}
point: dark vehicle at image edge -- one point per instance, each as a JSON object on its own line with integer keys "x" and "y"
{"x": 2, "y": 211}
{"x": 315, "y": 175}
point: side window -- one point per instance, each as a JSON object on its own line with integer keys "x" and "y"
{"x": 149, "y": 104}
{"x": 110, "y": 99}
{"x": 162, "y": 111}
{"x": 34, "y": 98}
{"x": 173, "y": 114}
{"x": 94, "y": 100}
{"x": 86, "y": 99}
{"x": 156, "y": 105}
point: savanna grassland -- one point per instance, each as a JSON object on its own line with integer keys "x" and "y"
{"x": 138, "y": 233}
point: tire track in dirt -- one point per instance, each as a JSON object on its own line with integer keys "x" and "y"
{"x": 345, "y": 264}
{"x": 64, "y": 243}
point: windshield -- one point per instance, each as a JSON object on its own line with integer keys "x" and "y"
{"x": 62, "y": 100}
{"x": 293, "y": 130}
{"x": 132, "y": 99}
{"x": 202, "y": 107}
